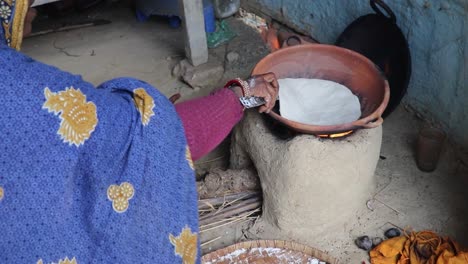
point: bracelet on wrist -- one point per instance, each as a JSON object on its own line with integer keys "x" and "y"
{"x": 241, "y": 83}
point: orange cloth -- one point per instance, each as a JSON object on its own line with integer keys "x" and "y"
{"x": 424, "y": 247}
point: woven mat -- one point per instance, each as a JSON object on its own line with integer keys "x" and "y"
{"x": 268, "y": 252}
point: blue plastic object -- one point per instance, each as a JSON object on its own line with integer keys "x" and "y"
{"x": 169, "y": 9}
{"x": 210, "y": 20}
{"x": 140, "y": 16}
{"x": 174, "y": 21}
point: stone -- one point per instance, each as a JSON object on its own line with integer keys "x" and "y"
{"x": 309, "y": 184}
{"x": 176, "y": 71}
{"x": 181, "y": 68}
{"x": 392, "y": 232}
{"x": 364, "y": 243}
{"x": 206, "y": 75}
{"x": 199, "y": 77}
{"x": 314, "y": 261}
{"x": 232, "y": 56}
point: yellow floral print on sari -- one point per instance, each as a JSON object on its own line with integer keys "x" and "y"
{"x": 120, "y": 196}
{"x": 62, "y": 261}
{"x": 188, "y": 156}
{"x": 79, "y": 118}
{"x": 12, "y": 16}
{"x": 144, "y": 103}
{"x": 185, "y": 245}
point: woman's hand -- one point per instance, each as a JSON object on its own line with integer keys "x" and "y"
{"x": 265, "y": 86}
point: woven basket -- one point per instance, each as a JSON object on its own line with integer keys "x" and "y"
{"x": 279, "y": 252}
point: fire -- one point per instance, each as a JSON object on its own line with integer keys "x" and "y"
{"x": 270, "y": 37}
{"x": 337, "y": 135}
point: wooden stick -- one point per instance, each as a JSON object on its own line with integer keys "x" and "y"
{"x": 218, "y": 222}
{"x": 70, "y": 27}
{"x": 234, "y": 211}
{"x": 209, "y": 242}
{"x": 211, "y": 202}
{"x": 231, "y": 219}
{"x": 230, "y": 208}
{"x": 228, "y": 204}
{"x": 244, "y": 218}
{"x": 225, "y": 224}
{"x": 211, "y": 160}
{"x": 237, "y": 221}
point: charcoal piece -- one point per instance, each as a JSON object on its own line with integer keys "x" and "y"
{"x": 364, "y": 243}
{"x": 392, "y": 232}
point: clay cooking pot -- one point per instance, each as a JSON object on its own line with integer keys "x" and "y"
{"x": 336, "y": 64}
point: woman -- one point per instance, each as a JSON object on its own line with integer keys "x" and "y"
{"x": 100, "y": 174}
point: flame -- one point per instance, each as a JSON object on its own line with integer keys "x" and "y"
{"x": 270, "y": 37}
{"x": 337, "y": 135}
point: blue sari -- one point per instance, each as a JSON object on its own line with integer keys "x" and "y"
{"x": 89, "y": 174}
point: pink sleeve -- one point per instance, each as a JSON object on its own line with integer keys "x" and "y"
{"x": 209, "y": 120}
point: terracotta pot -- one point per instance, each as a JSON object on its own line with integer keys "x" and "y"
{"x": 430, "y": 143}
{"x": 336, "y": 64}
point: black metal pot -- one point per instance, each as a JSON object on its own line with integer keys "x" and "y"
{"x": 378, "y": 37}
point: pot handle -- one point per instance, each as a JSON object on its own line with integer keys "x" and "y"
{"x": 378, "y": 4}
{"x": 374, "y": 124}
{"x": 293, "y": 41}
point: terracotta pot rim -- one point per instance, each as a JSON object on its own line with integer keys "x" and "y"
{"x": 371, "y": 121}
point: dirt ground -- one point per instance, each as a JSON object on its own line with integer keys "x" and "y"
{"x": 406, "y": 197}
